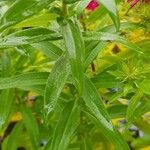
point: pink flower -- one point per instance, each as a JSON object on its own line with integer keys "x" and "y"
{"x": 92, "y": 5}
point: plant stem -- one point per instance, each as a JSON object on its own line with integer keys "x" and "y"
{"x": 64, "y": 9}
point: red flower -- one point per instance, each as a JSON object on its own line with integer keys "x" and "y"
{"x": 92, "y": 5}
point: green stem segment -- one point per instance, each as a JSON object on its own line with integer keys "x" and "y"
{"x": 64, "y": 9}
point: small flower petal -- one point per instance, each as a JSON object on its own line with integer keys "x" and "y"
{"x": 92, "y": 5}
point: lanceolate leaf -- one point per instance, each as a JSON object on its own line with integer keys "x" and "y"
{"x": 117, "y": 111}
{"x": 105, "y": 36}
{"x": 28, "y": 36}
{"x": 131, "y": 111}
{"x": 75, "y": 47}
{"x": 27, "y": 79}
{"x": 31, "y": 126}
{"x": 110, "y": 6}
{"x": 105, "y": 80}
{"x": 100, "y": 115}
{"x": 113, "y": 136}
{"x": 39, "y": 89}
{"x": 40, "y": 19}
{"x": 6, "y": 96}
{"x": 55, "y": 83}
{"x": 50, "y": 49}
{"x": 95, "y": 52}
{"x": 66, "y": 126}
{"x": 95, "y": 104}
{"x": 12, "y": 142}
{"x": 21, "y": 10}
{"x": 6, "y": 99}
{"x": 112, "y": 10}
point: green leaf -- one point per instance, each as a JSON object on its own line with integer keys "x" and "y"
{"x": 31, "y": 126}
{"x": 145, "y": 86}
{"x": 75, "y": 46}
{"x": 117, "y": 111}
{"x": 39, "y": 89}
{"x": 141, "y": 142}
{"x": 111, "y": 7}
{"x": 70, "y": 1}
{"x": 95, "y": 104}
{"x": 101, "y": 116}
{"x": 38, "y": 20}
{"x": 86, "y": 145}
{"x": 94, "y": 52}
{"x": 79, "y": 8}
{"x": 123, "y": 26}
{"x": 145, "y": 45}
{"x": 27, "y": 79}
{"x": 6, "y": 96}
{"x": 105, "y": 80}
{"x": 100, "y": 36}
{"x": 112, "y": 135}
{"x": 131, "y": 111}
{"x": 50, "y": 49}
{"x": 6, "y": 101}
{"x": 12, "y": 142}
{"x": 28, "y": 36}
{"x": 65, "y": 128}
{"x": 21, "y": 10}
{"x": 105, "y": 36}
{"x": 99, "y": 14}
{"x": 55, "y": 83}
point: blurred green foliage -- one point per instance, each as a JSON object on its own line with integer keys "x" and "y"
{"x": 72, "y": 78}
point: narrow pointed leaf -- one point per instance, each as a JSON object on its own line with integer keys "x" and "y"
{"x": 6, "y": 96}
{"x": 28, "y": 36}
{"x": 101, "y": 116}
{"x": 20, "y": 10}
{"x": 131, "y": 110}
{"x": 31, "y": 126}
{"x": 111, "y": 7}
{"x": 112, "y": 135}
{"x": 105, "y": 36}
{"x": 49, "y": 49}
{"x": 55, "y": 83}
{"x": 66, "y": 126}
{"x": 75, "y": 46}
{"x": 27, "y": 79}
{"x": 95, "y": 52}
{"x": 12, "y": 142}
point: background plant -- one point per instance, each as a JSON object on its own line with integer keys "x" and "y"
{"x": 74, "y": 76}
